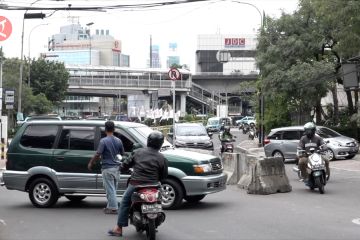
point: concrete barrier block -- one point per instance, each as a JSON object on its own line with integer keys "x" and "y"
{"x": 230, "y": 163}
{"x": 264, "y": 176}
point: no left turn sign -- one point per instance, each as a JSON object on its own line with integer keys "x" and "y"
{"x": 174, "y": 74}
{"x": 5, "y": 28}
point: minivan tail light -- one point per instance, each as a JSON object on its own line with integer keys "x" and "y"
{"x": 266, "y": 141}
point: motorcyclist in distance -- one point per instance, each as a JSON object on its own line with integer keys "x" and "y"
{"x": 310, "y": 140}
{"x": 226, "y": 135}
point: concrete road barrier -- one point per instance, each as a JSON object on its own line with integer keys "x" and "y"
{"x": 264, "y": 176}
{"x": 234, "y": 165}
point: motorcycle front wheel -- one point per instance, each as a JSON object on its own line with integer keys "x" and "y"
{"x": 151, "y": 230}
{"x": 320, "y": 185}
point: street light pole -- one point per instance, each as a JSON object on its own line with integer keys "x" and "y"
{"x": 261, "y": 97}
{"x": 22, "y": 52}
{"x": 89, "y": 34}
{"x": 29, "y": 48}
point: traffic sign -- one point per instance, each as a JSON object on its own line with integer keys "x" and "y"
{"x": 9, "y": 96}
{"x": 9, "y": 106}
{"x": 174, "y": 74}
{"x": 5, "y": 28}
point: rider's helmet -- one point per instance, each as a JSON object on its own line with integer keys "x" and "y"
{"x": 310, "y": 129}
{"x": 227, "y": 129}
{"x": 155, "y": 140}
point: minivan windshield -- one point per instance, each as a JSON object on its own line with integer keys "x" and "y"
{"x": 326, "y": 132}
{"x": 213, "y": 122}
{"x": 190, "y": 131}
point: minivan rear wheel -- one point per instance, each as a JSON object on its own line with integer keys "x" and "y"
{"x": 279, "y": 155}
{"x": 43, "y": 193}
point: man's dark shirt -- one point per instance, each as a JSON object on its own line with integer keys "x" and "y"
{"x": 306, "y": 143}
{"x": 149, "y": 166}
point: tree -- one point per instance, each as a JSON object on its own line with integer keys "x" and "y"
{"x": 292, "y": 77}
{"x": 339, "y": 23}
{"x": 50, "y": 78}
{"x": 30, "y": 103}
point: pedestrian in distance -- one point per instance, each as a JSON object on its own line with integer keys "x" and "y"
{"x": 108, "y": 151}
{"x": 149, "y": 167}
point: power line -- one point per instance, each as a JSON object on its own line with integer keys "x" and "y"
{"x": 104, "y": 8}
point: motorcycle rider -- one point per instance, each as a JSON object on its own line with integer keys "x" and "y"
{"x": 310, "y": 140}
{"x": 149, "y": 167}
{"x": 225, "y": 136}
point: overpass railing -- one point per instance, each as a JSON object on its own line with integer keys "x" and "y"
{"x": 125, "y": 77}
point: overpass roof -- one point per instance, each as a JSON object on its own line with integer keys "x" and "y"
{"x": 120, "y": 69}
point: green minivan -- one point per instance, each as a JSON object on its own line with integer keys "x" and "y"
{"x": 48, "y": 159}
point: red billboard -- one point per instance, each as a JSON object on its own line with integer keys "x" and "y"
{"x": 5, "y": 28}
{"x": 234, "y": 42}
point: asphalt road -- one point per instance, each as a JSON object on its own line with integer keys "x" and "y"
{"x": 231, "y": 214}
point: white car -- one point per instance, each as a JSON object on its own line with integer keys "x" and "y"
{"x": 246, "y": 120}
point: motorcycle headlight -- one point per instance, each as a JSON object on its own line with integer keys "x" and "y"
{"x": 208, "y": 143}
{"x": 202, "y": 168}
{"x": 142, "y": 196}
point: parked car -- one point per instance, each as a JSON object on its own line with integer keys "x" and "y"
{"x": 48, "y": 159}
{"x": 246, "y": 120}
{"x": 214, "y": 124}
{"x": 119, "y": 117}
{"x": 190, "y": 135}
{"x": 283, "y": 142}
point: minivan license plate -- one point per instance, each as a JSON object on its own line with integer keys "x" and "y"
{"x": 151, "y": 208}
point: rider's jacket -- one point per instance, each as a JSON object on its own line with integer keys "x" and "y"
{"x": 149, "y": 166}
{"x": 307, "y": 143}
{"x": 225, "y": 136}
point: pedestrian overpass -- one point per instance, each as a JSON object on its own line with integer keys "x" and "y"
{"x": 105, "y": 81}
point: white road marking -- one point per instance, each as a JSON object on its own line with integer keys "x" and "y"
{"x": 356, "y": 221}
{"x": 2, "y": 222}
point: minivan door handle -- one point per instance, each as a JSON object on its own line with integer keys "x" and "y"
{"x": 60, "y": 158}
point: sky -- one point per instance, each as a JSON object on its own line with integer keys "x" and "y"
{"x": 180, "y": 23}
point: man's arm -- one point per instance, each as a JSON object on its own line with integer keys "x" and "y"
{"x": 97, "y": 155}
{"x": 92, "y": 161}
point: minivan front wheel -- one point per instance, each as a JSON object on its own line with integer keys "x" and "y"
{"x": 43, "y": 193}
{"x": 278, "y": 154}
{"x": 329, "y": 154}
{"x": 172, "y": 194}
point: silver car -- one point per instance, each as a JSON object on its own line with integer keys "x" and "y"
{"x": 282, "y": 142}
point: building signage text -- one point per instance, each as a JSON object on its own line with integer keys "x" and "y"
{"x": 234, "y": 42}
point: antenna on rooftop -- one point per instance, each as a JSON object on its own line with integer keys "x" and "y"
{"x": 74, "y": 19}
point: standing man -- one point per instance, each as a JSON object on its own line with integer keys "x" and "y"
{"x": 109, "y": 147}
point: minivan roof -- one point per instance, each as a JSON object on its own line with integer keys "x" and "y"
{"x": 86, "y": 123}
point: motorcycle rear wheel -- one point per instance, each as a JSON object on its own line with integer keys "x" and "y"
{"x": 320, "y": 185}
{"x": 151, "y": 230}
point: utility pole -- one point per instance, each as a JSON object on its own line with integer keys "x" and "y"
{"x": 150, "y": 51}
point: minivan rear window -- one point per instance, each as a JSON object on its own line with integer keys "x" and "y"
{"x": 39, "y": 136}
{"x": 77, "y": 139}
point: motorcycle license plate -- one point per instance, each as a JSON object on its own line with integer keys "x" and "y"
{"x": 151, "y": 208}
